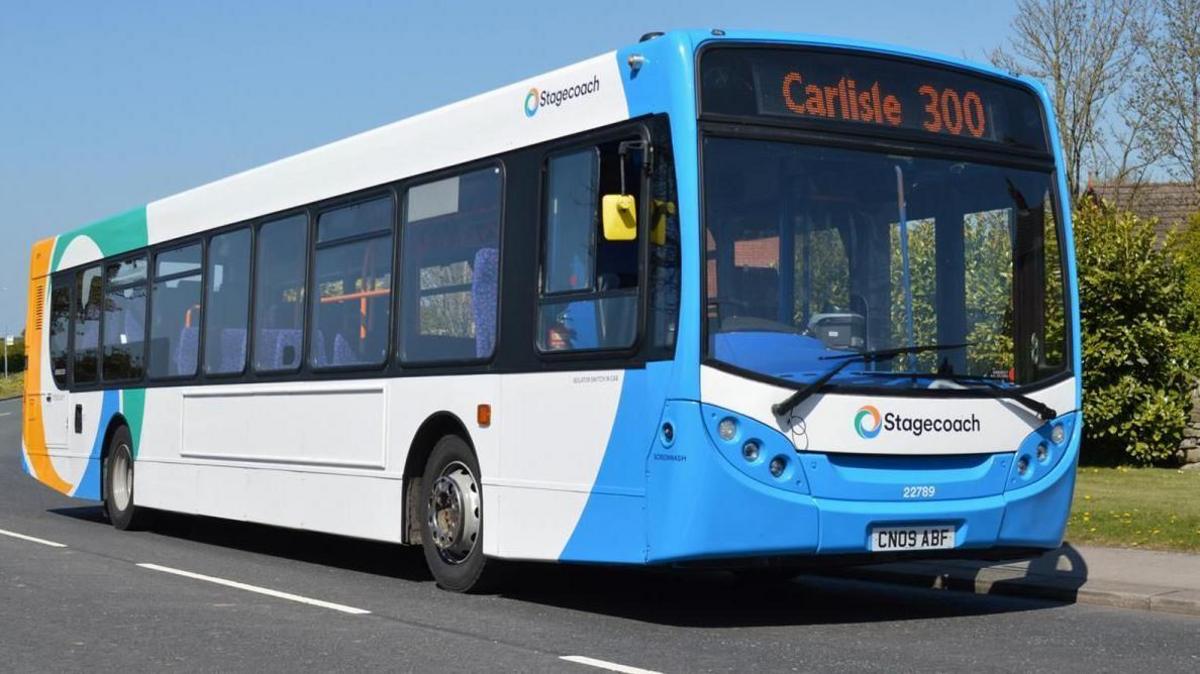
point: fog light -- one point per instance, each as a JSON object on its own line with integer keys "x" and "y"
{"x": 1043, "y": 452}
{"x": 778, "y": 465}
{"x": 727, "y": 429}
{"x": 750, "y": 451}
{"x": 1057, "y": 434}
{"x": 1022, "y": 465}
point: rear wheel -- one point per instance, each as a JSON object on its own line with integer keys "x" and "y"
{"x": 452, "y": 519}
{"x": 118, "y": 483}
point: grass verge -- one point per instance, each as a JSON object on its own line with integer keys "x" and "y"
{"x": 1155, "y": 508}
{"x": 12, "y": 386}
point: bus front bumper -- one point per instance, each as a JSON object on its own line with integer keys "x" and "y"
{"x": 714, "y": 504}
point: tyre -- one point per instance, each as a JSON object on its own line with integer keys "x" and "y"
{"x": 452, "y": 519}
{"x": 118, "y": 483}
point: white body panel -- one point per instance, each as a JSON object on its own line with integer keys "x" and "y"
{"x": 330, "y": 456}
{"x": 482, "y": 126}
{"x": 317, "y": 424}
{"x": 555, "y": 428}
{"x": 324, "y": 456}
{"x": 825, "y": 422}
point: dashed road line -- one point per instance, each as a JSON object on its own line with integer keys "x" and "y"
{"x": 604, "y": 664}
{"x": 31, "y": 539}
{"x": 256, "y": 589}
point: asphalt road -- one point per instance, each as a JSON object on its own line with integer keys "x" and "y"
{"x": 89, "y": 605}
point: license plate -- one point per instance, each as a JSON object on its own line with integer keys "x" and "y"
{"x": 891, "y": 539}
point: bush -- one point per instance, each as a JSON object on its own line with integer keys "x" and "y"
{"x": 16, "y": 356}
{"x": 1137, "y": 314}
{"x": 1185, "y": 246}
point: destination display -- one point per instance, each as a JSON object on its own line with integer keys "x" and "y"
{"x": 844, "y": 88}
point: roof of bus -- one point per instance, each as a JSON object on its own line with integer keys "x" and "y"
{"x": 480, "y": 126}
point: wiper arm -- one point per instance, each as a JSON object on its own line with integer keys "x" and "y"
{"x": 784, "y": 407}
{"x": 1038, "y": 407}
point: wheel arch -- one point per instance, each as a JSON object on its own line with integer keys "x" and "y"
{"x": 435, "y": 427}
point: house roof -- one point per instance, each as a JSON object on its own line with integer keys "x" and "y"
{"x": 1170, "y": 203}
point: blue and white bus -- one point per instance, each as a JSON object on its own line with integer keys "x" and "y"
{"x": 721, "y": 297}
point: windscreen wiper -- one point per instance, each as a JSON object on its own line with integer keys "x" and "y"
{"x": 785, "y": 406}
{"x": 1036, "y": 406}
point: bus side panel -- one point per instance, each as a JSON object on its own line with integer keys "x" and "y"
{"x": 612, "y": 526}
{"x": 319, "y": 456}
{"x": 554, "y": 427}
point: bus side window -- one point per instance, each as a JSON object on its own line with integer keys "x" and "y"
{"x": 89, "y": 287}
{"x": 352, "y": 285}
{"x": 227, "y": 301}
{"x": 589, "y": 290}
{"x": 279, "y": 270}
{"x": 124, "y": 320}
{"x": 450, "y": 268}
{"x": 60, "y": 325}
{"x": 175, "y": 298}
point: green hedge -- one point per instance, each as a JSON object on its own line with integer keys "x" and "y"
{"x": 16, "y": 357}
{"x": 1138, "y": 318}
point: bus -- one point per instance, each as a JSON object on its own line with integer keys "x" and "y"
{"x": 726, "y": 298}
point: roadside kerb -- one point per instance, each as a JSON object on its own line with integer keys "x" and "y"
{"x": 1016, "y": 579}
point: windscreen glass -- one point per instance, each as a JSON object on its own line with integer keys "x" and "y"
{"x": 814, "y": 253}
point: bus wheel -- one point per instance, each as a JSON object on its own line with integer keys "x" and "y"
{"x": 118, "y": 483}
{"x": 452, "y": 518}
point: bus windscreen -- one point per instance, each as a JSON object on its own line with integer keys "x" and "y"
{"x": 831, "y": 87}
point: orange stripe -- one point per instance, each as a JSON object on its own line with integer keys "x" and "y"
{"x": 35, "y": 432}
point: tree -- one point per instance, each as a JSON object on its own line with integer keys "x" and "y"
{"x": 1168, "y": 86}
{"x": 1082, "y": 51}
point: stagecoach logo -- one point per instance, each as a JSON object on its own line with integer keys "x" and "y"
{"x": 536, "y": 99}
{"x": 867, "y": 422}
{"x": 531, "y": 102}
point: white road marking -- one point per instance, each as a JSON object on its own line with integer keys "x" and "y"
{"x": 603, "y": 664}
{"x": 31, "y": 539}
{"x": 4, "y": 414}
{"x": 260, "y": 590}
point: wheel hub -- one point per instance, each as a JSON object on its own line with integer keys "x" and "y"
{"x": 122, "y": 478}
{"x": 453, "y": 513}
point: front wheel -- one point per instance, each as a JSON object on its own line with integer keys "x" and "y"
{"x": 452, "y": 519}
{"x": 118, "y": 483}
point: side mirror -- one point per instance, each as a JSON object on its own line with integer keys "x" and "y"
{"x": 619, "y": 213}
{"x": 658, "y": 230}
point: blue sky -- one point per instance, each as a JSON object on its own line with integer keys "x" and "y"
{"x": 108, "y": 105}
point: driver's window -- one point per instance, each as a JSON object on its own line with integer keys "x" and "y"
{"x": 589, "y": 285}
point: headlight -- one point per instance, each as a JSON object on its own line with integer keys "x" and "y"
{"x": 1022, "y": 465}
{"x": 727, "y": 429}
{"x": 778, "y": 465}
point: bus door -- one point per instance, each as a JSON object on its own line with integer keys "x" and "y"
{"x": 50, "y": 393}
{"x": 55, "y": 415}
{"x": 83, "y": 408}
